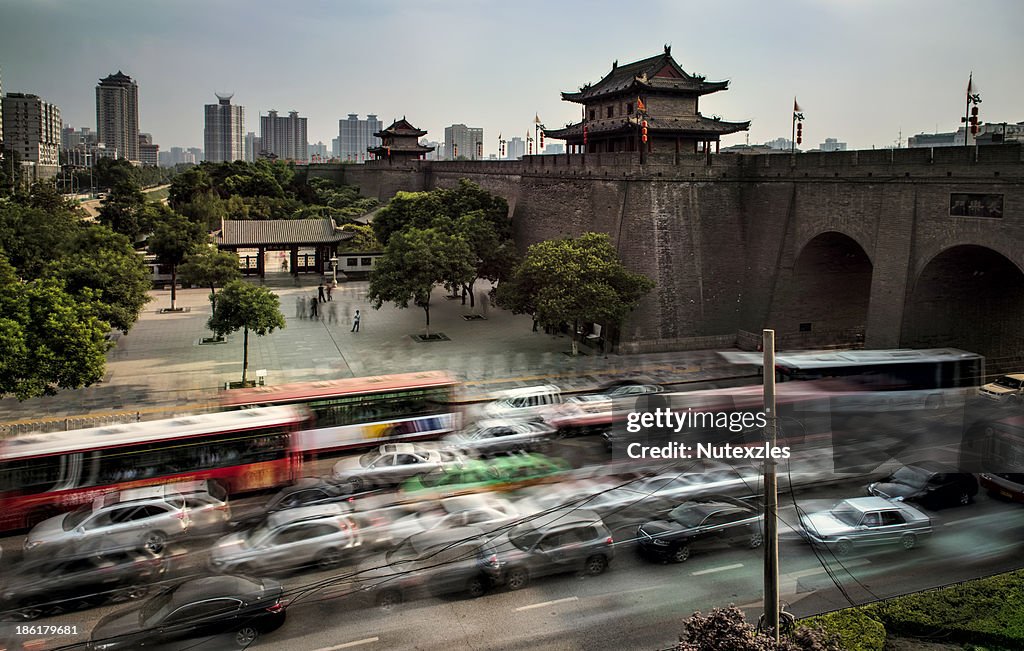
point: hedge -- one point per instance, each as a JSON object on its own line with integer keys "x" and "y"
{"x": 857, "y": 630}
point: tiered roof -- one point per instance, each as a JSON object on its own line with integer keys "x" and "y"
{"x": 400, "y": 138}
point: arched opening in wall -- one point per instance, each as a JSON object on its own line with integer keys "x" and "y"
{"x": 968, "y": 297}
{"x": 825, "y": 302}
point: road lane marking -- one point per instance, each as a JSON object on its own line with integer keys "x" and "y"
{"x": 961, "y": 521}
{"x": 349, "y": 645}
{"x": 546, "y": 603}
{"x": 717, "y": 569}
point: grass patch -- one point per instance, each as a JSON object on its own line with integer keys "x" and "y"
{"x": 157, "y": 195}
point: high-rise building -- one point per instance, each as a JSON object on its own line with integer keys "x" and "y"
{"x": 318, "y": 152}
{"x": 355, "y": 136}
{"x": 831, "y": 144}
{"x": 32, "y": 128}
{"x": 149, "y": 153}
{"x": 283, "y": 138}
{"x": 335, "y": 147}
{"x": 438, "y": 149}
{"x": 555, "y": 148}
{"x": 71, "y": 138}
{"x": 176, "y": 156}
{"x": 465, "y": 142}
{"x": 224, "y": 135}
{"x": 252, "y": 147}
{"x": 197, "y": 154}
{"x": 515, "y": 148}
{"x": 117, "y": 114}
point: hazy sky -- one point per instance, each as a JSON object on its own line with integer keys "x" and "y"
{"x": 863, "y": 70}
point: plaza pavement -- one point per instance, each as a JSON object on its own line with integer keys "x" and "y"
{"x": 159, "y": 369}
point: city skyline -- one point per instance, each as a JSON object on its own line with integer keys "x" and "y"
{"x": 836, "y": 57}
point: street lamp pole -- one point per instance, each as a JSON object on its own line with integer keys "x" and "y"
{"x": 334, "y": 271}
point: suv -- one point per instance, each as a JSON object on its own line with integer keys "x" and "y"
{"x": 564, "y": 540}
{"x": 1004, "y": 387}
{"x": 526, "y": 403}
{"x": 322, "y": 534}
{"x": 136, "y": 518}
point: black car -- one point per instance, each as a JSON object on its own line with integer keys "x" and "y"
{"x": 193, "y": 612}
{"x": 701, "y": 524}
{"x": 928, "y": 483}
{"x": 427, "y": 564}
{"x": 307, "y": 491}
{"x": 39, "y": 586}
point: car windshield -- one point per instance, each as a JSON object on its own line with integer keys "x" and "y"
{"x": 76, "y": 518}
{"x": 526, "y": 540}
{"x": 257, "y": 534}
{"x": 846, "y": 514}
{"x": 369, "y": 458}
{"x": 687, "y": 516}
{"x": 1009, "y": 382}
{"x": 156, "y": 609}
{"x": 910, "y": 476}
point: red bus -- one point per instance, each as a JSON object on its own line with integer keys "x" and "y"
{"x": 360, "y": 412}
{"x": 45, "y": 474}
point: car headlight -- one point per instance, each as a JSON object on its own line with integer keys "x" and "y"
{"x": 32, "y": 544}
{"x": 660, "y": 542}
{"x": 100, "y": 646}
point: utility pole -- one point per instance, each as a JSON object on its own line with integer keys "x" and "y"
{"x": 771, "y": 495}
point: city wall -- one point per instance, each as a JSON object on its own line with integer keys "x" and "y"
{"x": 825, "y": 247}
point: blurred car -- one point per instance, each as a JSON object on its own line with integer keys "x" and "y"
{"x": 569, "y": 540}
{"x": 324, "y": 535}
{"x": 502, "y": 473}
{"x": 206, "y": 502}
{"x": 38, "y": 586}
{"x": 430, "y": 563}
{"x": 1004, "y": 387}
{"x": 928, "y": 483}
{"x": 1005, "y": 485}
{"x": 628, "y": 389}
{"x": 490, "y": 437}
{"x": 525, "y": 403}
{"x": 132, "y": 519}
{"x": 701, "y": 524}
{"x": 309, "y": 491}
{"x": 389, "y": 465}
{"x": 234, "y": 606}
{"x": 486, "y": 512}
{"x": 865, "y": 522}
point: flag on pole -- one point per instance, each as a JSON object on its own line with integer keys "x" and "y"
{"x": 796, "y": 107}
{"x": 536, "y": 118}
{"x": 970, "y": 81}
{"x": 640, "y": 106}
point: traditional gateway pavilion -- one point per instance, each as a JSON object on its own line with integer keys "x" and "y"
{"x": 310, "y": 243}
{"x": 655, "y": 90}
{"x": 400, "y": 142}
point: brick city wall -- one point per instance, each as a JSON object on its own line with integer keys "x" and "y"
{"x": 823, "y": 247}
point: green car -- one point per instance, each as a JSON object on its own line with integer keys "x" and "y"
{"x": 501, "y": 473}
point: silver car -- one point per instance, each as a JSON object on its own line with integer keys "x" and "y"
{"x": 486, "y": 512}
{"x": 139, "y": 518}
{"x": 324, "y": 535}
{"x": 864, "y": 522}
{"x": 495, "y": 436}
{"x": 389, "y": 465}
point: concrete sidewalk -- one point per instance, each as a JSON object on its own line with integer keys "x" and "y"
{"x": 160, "y": 365}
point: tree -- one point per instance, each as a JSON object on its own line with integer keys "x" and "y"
{"x": 246, "y": 307}
{"x": 31, "y": 235}
{"x": 99, "y": 265}
{"x": 210, "y": 267}
{"x": 173, "y": 239}
{"x": 414, "y": 261}
{"x": 364, "y": 240}
{"x": 124, "y": 210}
{"x": 113, "y": 172}
{"x": 726, "y": 629}
{"x": 48, "y": 339}
{"x": 407, "y": 210}
{"x": 572, "y": 281}
{"x": 494, "y": 257}
{"x": 11, "y": 174}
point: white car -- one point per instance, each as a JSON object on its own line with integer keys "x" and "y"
{"x": 476, "y": 510}
{"x": 1004, "y": 387}
{"x": 390, "y": 465}
{"x": 527, "y": 403}
{"x": 488, "y": 437}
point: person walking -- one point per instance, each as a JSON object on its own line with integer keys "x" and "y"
{"x": 300, "y": 307}
{"x": 332, "y": 311}
{"x": 313, "y": 311}
{"x": 330, "y": 288}
{"x": 320, "y": 290}
{"x": 355, "y": 322}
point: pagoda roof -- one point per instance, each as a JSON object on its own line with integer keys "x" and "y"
{"x": 695, "y": 125}
{"x": 659, "y": 73}
{"x": 382, "y": 150}
{"x": 119, "y": 78}
{"x": 401, "y": 128}
{"x": 254, "y": 232}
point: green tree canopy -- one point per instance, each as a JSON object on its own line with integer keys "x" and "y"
{"x": 210, "y": 267}
{"x": 48, "y": 339}
{"x": 123, "y": 210}
{"x": 414, "y": 261}
{"x": 173, "y": 238}
{"x": 576, "y": 281}
{"x": 32, "y": 235}
{"x": 246, "y": 307}
{"x": 363, "y": 242}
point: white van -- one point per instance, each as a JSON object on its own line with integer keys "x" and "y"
{"x": 525, "y": 403}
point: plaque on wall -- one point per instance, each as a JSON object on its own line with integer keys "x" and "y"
{"x": 964, "y": 204}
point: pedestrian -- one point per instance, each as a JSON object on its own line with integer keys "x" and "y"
{"x": 300, "y": 307}
{"x": 332, "y": 313}
{"x": 313, "y": 311}
{"x": 485, "y": 303}
{"x": 330, "y": 288}
{"x": 320, "y": 289}
{"x": 355, "y": 322}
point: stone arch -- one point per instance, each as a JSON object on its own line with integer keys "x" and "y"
{"x": 967, "y": 296}
{"x": 824, "y": 298}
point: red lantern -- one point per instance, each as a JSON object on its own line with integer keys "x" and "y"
{"x": 643, "y": 131}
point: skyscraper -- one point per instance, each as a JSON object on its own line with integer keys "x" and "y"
{"x": 224, "y": 135}
{"x": 117, "y": 114}
{"x": 516, "y": 148}
{"x": 465, "y": 142}
{"x": 284, "y": 138}
{"x": 355, "y": 136}
{"x": 32, "y": 128}
{"x": 252, "y": 147}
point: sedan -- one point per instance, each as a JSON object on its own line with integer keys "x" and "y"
{"x": 928, "y": 483}
{"x": 702, "y": 524}
{"x": 479, "y": 510}
{"x": 865, "y": 522}
{"x": 389, "y": 465}
{"x": 183, "y": 615}
{"x": 490, "y": 437}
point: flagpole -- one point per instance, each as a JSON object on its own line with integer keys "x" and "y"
{"x": 967, "y": 112}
